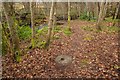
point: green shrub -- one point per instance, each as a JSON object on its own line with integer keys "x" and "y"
{"x": 24, "y": 32}
{"x": 57, "y": 29}
{"x": 83, "y": 17}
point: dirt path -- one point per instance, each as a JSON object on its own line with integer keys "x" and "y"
{"x": 91, "y": 58}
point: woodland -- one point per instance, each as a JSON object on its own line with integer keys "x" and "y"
{"x": 60, "y": 40}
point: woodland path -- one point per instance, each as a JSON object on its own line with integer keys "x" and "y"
{"x": 95, "y": 57}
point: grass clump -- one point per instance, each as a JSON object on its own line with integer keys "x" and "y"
{"x": 113, "y": 29}
{"x": 56, "y": 37}
{"x": 110, "y": 29}
{"x": 87, "y": 28}
{"x": 84, "y": 62}
{"x": 88, "y": 38}
{"x": 67, "y": 31}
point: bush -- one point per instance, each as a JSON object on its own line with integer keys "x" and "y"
{"x": 84, "y": 16}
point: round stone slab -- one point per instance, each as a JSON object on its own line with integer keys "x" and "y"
{"x": 63, "y": 60}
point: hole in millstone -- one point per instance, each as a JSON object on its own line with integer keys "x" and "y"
{"x": 62, "y": 59}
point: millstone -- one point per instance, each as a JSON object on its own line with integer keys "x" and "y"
{"x": 63, "y": 61}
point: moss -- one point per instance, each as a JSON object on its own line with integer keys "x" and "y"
{"x": 17, "y": 56}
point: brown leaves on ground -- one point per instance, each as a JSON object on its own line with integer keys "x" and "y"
{"x": 94, "y": 58}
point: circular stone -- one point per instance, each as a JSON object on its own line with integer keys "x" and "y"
{"x": 63, "y": 60}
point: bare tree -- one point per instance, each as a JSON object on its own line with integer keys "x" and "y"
{"x": 32, "y": 23}
{"x": 69, "y": 18}
{"x": 50, "y": 24}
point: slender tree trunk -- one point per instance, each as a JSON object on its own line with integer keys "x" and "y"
{"x": 15, "y": 38}
{"x": 32, "y": 23}
{"x": 98, "y": 9}
{"x": 54, "y": 18}
{"x": 1, "y": 29}
{"x": 117, "y": 12}
{"x": 50, "y": 24}
{"x": 105, "y": 10}
{"x": 88, "y": 10}
{"x": 79, "y": 9}
{"x": 69, "y": 18}
{"x": 100, "y": 18}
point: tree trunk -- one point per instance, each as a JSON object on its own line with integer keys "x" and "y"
{"x": 50, "y": 24}
{"x": 98, "y": 8}
{"x": 118, "y": 14}
{"x": 15, "y": 38}
{"x": 100, "y": 18}
{"x": 69, "y": 18}
{"x": 32, "y": 23}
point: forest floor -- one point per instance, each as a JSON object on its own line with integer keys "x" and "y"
{"x": 95, "y": 55}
